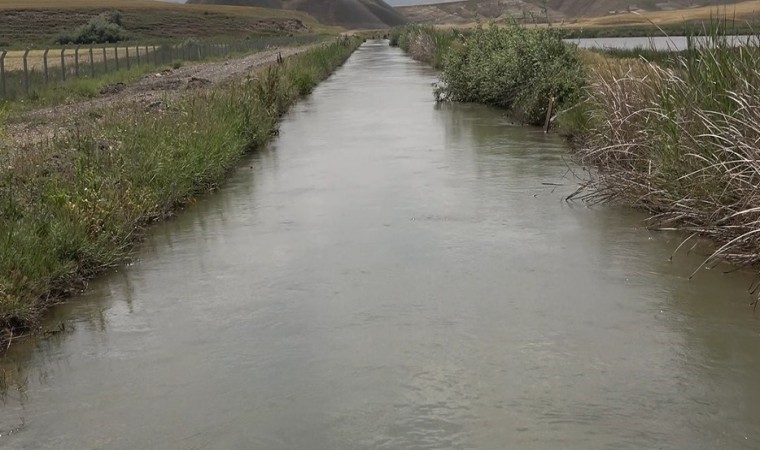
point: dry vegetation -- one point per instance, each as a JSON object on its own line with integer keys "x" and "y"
{"x": 22, "y": 25}
{"x": 576, "y": 14}
{"x": 747, "y": 11}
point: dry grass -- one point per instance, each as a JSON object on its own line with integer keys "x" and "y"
{"x": 24, "y": 25}
{"x": 748, "y": 11}
{"x": 682, "y": 142}
{"x": 15, "y": 59}
{"x": 741, "y": 11}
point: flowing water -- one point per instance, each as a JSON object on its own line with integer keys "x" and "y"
{"x": 394, "y": 274}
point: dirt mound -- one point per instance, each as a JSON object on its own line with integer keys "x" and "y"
{"x": 346, "y": 13}
{"x": 112, "y": 89}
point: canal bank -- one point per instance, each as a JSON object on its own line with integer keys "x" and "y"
{"x": 388, "y": 273}
{"x": 676, "y": 137}
{"x": 73, "y": 203}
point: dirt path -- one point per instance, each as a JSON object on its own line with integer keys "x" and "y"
{"x": 151, "y": 91}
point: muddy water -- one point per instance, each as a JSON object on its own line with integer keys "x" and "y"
{"x": 392, "y": 274}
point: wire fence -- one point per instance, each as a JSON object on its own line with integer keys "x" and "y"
{"x": 24, "y": 72}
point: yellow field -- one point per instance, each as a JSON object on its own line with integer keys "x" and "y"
{"x": 14, "y": 60}
{"x": 38, "y": 22}
{"x": 744, "y": 11}
{"x": 740, "y": 11}
{"x": 263, "y": 13}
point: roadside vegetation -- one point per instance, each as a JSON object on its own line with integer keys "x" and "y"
{"x": 74, "y": 206}
{"x": 54, "y": 91}
{"x": 675, "y": 134}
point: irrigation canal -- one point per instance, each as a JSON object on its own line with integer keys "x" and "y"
{"x": 394, "y": 274}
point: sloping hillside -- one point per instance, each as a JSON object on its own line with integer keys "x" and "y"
{"x": 468, "y": 11}
{"x": 23, "y": 22}
{"x": 346, "y": 13}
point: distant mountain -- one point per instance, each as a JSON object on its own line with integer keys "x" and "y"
{"x": 347, "y": 13}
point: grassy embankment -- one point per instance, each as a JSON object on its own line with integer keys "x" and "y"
{"x": 39, "y": 23}
{"x": 75, "y": 206}
{"x": 679, "y": 139}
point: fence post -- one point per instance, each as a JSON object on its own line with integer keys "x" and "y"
{"x": 76, "y": 61}
{"x": 548, "y": 122}
{"x": 155, "y": 55}
{"x": 45, "y": 65}
{"x": 63, "y": 64}
{"x": 2, "y": 70}
{"x": 26, "y": 71}
{"x": 137, "y": 49}
{"x": 126, "y": 50}
{"x": 105, "y": 61}
{"x": 116, "y": 56}
{"x": 92, "y": 64}
{"x": 147, "y": 55}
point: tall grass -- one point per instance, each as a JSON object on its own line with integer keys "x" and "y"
{"x": 683, "y": 141}
{"x": 425, "y": 43}
{"x": 75, "y": 206}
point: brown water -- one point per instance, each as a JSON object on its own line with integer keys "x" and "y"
{"x": 392, "y": 274}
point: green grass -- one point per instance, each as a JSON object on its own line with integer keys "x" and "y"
{"x": 74, "y": 207}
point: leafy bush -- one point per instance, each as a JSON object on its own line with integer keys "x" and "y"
{"x": 104, "y": 29}
{"x": 515, "y": 68}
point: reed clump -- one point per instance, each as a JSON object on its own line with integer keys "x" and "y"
{"x": 682, "y": 141}
{"x": 74, "y": 206}
{"x": 425, "y": 43}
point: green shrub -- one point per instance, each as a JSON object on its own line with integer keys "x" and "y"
{"x": 515, "y": 68}
{"x": 104, "y": 29}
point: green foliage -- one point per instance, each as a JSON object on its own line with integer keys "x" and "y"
{"x": 74, "y": 206}
{"x": 514, "y": 68}
{"x": 106, "y": 28}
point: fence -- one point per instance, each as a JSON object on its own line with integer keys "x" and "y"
{"x": 24, "y": 72}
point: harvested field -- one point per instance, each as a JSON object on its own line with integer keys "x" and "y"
{"x": 22, "y": 26}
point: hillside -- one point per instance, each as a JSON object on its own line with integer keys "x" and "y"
{"x": 468, "y": 11}
{"x": 347, "y": 13}
{"x": 22, "y": 24}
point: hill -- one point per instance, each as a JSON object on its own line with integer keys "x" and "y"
{"x": 346, "y": 13}
{"x": 25, "y": 23}
{"x": 629, "y": 11}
